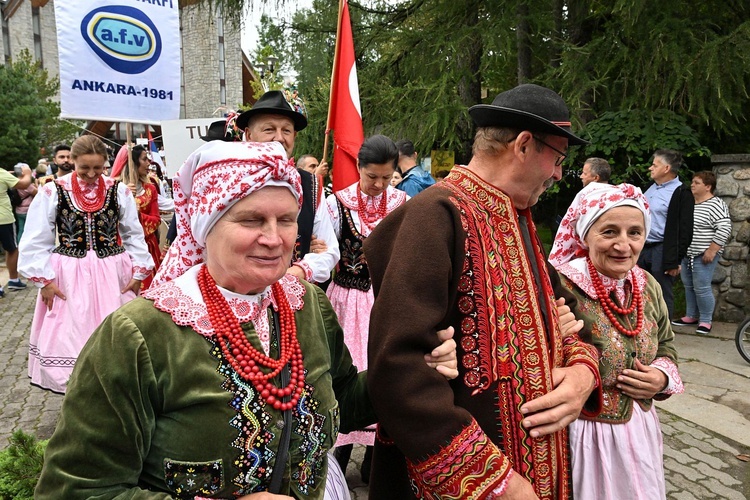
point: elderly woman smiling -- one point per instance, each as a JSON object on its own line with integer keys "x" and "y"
{"x": 227, "y": 380}
{"x": 618, "y": 454}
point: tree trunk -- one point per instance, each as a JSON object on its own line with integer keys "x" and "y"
{"x": 469, "y": 85}
{"x": 523, "y": 40}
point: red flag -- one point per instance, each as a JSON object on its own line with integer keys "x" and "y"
{"x": 344, "y": 112}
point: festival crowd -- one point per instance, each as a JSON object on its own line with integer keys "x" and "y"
{"x": 282, "y": 322}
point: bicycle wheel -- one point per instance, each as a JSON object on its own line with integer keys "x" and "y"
{"x": 742, "y": 339}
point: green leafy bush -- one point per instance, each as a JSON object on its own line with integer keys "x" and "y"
{"x": 20, "y": 466}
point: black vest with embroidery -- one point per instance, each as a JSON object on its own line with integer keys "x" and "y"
{"x": 306, "y": 218}
{"x": 353, "y": 271}
{"x": 75, "y": 226}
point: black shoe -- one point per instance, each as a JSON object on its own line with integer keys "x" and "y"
{"x": 703, "y": 330}
{"x": 681, "y": 322}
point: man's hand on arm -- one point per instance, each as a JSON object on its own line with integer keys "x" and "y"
{"x": 558, "y": 408}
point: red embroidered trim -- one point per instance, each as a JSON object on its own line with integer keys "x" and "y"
{"x": 511, "y": 348}
{"x": 306, "y": 268}
{"x": 469, "y": 467}
{"x": 40, "y": 282}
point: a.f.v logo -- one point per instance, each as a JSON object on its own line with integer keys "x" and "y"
{"x": 123, "y": 37}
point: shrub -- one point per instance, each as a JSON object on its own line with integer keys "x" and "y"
{"x": 20, "y": 466}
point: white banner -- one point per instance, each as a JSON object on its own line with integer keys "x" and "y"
{"x": 119, "y": 60}
{"x": 182, "y": 137}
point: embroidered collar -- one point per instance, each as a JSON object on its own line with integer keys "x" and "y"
{"x": 66, "y": 182}
{"x": 577, "y": 271}
{"x": 348, "y": 198}
{"x": 182, "y": 299}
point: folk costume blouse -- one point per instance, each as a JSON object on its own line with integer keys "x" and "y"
{"x": 44, "y": 221}
{"x": 164, "y": 415}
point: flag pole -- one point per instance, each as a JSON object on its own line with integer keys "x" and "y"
{"x": 128, "y": 134}
{"x": 333, "y": 74}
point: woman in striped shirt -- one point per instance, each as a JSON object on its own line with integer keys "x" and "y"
{"x": 711, "y": 230}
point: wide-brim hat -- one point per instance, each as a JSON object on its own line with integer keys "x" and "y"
{"x": 272, "y": 102}
{"x": 216, "y": 132}
{"x": 528, "y": 107}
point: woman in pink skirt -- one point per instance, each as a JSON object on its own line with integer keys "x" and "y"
{"x": 617, "y": 455}
{"x": 96, "y": 267}
{"x": 355, "y": 211}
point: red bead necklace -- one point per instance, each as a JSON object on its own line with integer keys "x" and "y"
{"x": 368, "y": 217}
{"x": 636, "y": 303}
{"x": 244, "y": 358}
{"x": 86, "y": 204}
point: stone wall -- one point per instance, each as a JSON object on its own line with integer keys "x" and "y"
{"x": 730, "y": 281}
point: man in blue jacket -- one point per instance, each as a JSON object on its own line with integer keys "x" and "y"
{"x": 415, "y": 179}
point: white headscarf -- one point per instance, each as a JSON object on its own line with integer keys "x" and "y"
{"x": 589, "y": 204}
{"x": 213, "y": 178}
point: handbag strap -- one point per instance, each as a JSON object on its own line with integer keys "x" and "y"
{"x": 281, "y": 457}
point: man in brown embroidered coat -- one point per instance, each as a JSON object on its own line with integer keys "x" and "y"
{"x": 466, "y": 254}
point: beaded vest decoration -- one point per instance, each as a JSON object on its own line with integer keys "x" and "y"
{"x": 78, "y": 229}
{"x": 353, "y": 271}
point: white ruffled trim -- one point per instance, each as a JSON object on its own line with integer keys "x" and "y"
{"x": 667, "y": 366}
{"x": 182, "y": 299}
{"x": 578, "y": 272}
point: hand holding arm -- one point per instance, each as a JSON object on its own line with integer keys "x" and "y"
{"x": 318, "y": 245}
{"x": 569, "y": 325}
{"x": 443, "y": 357}
{"x": 556, "y": 409}
{"x": 642, "y": 383}
{"x": 134, "y": 286}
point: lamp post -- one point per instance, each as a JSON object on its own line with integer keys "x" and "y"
{"x": 267, "y": 70}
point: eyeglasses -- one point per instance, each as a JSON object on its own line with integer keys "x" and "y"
{"x": 560, "y": 158}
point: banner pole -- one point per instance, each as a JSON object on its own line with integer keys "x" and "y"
{"x": 131, "y": 173}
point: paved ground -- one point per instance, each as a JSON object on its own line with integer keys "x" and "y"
{"x": 705, "y": 430}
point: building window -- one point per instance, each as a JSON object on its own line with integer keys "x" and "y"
{"x": 36, "y": 23}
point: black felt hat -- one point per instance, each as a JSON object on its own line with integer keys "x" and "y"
{"x": 216, "y": 132}
{"x": 527, "y": 107}
{"x": 272, "y": 102}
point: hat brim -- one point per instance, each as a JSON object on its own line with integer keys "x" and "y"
{"x": 300, "y": 122}
{"x": 487, "y": 115}
{"x": 209, "y": 138}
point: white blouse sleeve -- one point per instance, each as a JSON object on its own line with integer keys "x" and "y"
{"x": 333, "y": 214}
{"x": 321, "y": 264}
{"x": 166, "y": 204}
{"x": 132, "y": 235}
{"x": 38, "y": 240}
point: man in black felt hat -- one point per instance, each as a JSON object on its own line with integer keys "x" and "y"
{"x": 466, "y": 255}
{"x": 272, "y": 118}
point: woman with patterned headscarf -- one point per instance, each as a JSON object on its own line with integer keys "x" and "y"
{"x": 617, "y": 454}
{"x": 229, "y": 378}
